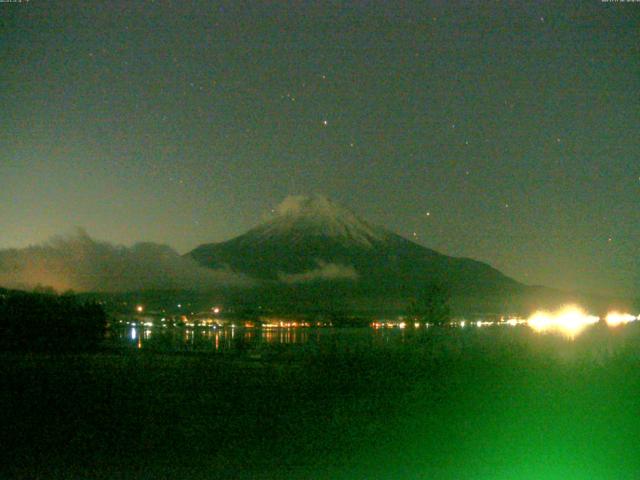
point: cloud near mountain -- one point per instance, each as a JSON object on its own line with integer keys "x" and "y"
{"x": 325, "y": 271}
{"x": 81, "y": 263}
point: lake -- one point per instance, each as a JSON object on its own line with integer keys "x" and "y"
{"x": 473, "y": 402}
{"x": 596, "y": 341}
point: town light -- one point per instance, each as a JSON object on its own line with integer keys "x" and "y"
{"x": 614, "y": 319}
{"x": 569, "y": 321}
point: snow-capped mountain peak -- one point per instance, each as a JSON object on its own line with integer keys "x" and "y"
{"x": 298, "y": 216}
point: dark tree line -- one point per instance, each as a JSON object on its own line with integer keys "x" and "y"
{"x": 48, "y": 322}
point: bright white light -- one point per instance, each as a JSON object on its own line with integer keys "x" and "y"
{"x": 569, "y": 321}
{"x": 402, "y": 324}
{"x": 481, "y": 323}
{"x": 463, "y": 323}
{"x": 615, "y": 318}
{"x": 139, "y": 308}
{"x": 216, "y": 310}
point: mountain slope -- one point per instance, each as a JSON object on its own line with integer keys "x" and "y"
{"x": 312, "y": 238}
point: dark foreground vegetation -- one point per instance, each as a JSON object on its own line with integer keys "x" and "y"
{"x": 447, "y": 404}
{"x": 42, "y": 321}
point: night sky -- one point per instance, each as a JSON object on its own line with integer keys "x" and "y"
{"x": 502, "y": 131}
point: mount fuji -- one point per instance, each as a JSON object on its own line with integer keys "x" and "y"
{"x": 312, "y": 240}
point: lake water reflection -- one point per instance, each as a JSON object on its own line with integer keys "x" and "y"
{"x": 239, "y": 339}
{"x": 597, "y": 340}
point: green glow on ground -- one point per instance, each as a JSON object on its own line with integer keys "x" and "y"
{"x": 485, "y": 404}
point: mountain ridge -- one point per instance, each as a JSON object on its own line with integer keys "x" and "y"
{"x": 310, "y": 231}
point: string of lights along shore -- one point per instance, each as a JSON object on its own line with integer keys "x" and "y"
{"x": 504, "y": 132}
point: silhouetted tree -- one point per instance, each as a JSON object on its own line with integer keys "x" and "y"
{"x": 431, "y": 304}
{"x": 44, "y": 321}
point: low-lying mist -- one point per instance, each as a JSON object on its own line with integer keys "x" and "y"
{"x": 80, "y": 263}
